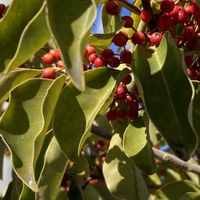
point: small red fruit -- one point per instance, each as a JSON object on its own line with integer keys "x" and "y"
{"x": 89, "y": 50}
{"x": 128, "y": 21}
{"x": 113, "y": 62}
{"x": 107, "y": 53}
{"x": 189, "y": 33}
{"x": 55, "y": 53}
{"x": 60, "y": 64}
{"x": 47, "y": 59}
{"x": 112, "y": 8}
{"x": 121, "y": 91}
{"x": 139, "y": 38}
{"x": 146, "y": 16}
{"x": 126, "y": 56}
{"x": 191, "y": 9}
{"x": 164, "y": 21}
{"x": 111, "y": 115}
{"x": 132, "y": 114}
{"x": 155, "y": 38}
{"x": 49, "y": 72}
{"x": 182, "y": 16}
{"x": 120, "y": 39}
{"x": 127, "y": 80}
{"x": 99, "y": 61}
{"x": 92, "y": 57}
{"x": 121, "y": 114}
{"x": 2, "y": 8}
{"x": 167, "y": 6}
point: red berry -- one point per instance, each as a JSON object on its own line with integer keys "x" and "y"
{"x": 132, "y": 114}
{"x": 121, "y": 91}
{"x": 85, "y": 67}
{"x": 60, "y": 64}
{"x": 55, "y": 53}
{"x": 146, "y": 16}
{"x": 167, "y": 6}
{"x": 114, "y": 62}
{"x": 139, "y": 38}
{"x": 112, "y": 8}
{"x": 49, "y": 72}
{"x": 128, "y": 99}
{"x": 188, "y": 60}
{"x": 121, "y": 114}
{"x": 92, "y": 57}
{"x": 182, "y": 16}
{"x": 133, "y": 105}
{"x": 128, "y": 21}
{"x": 192, "y": 44}
{"x": 120, "y": 39}
{"x": 191, "y": 9}
{"x": 164, "y": 21}
{"x": 155, "y": 38}
{"x": 107, "y": 53}
{"x": 89, "y": 50}
{"x": 126, "y": 56}
{"x": 189, "y": 33}
{"x": 47, "y": 59}
{"x": 99, "y": 61}
{"x": 2, "y": 8}
{"x": 111, "y": 115}
{"x": 127, "y": 80}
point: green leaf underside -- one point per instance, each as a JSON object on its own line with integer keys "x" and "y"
{"x": 52, "y": 172}
{"x": 134, "y": 138}
{"x": 17, "y": 17}
{"x": 14, "y": 78}
{"x": 174, "y": 191}
{"x": 26, "y": 122}
{"x": 69, "y": 21}
{"x": 167, "y": 93}
{"x": 34, "y": 37}
{"x": 122, "y": 177}
{"x": 76, "y": 111}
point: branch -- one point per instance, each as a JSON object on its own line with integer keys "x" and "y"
{"x": 164, "y": 156}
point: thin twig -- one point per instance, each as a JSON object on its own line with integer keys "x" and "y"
{"x": 164, "y": 156}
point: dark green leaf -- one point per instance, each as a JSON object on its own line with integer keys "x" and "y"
{"x": 191, "y": 196}
{"x": 26, "y": 121}
{"x": 14, "y": 22}
{"x": 37, "y": 29}
{"x": 69, "y": 21}
{"x": 14, "y": 78}
{"x": 167, "y": 92}
{"x": 75, "y": 107}
{"x": 27, "y": 193}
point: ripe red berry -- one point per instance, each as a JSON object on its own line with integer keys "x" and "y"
{"x": 182, "y": 16}
{"x": 126, "y": 56}
{"x": 189, "y": 33}
{"x": 121, "y": 91}
{"x": 128, "y": 21}
{"x": 155, "y": 38}
{"x": 89, "y": 50}
{"x": 167, "y": 6}
{"x": 113, "y": 62}
{"x": 139, "y": 38}
{"x": 92, "y": 57}
{"x": 120, "y": 39}
{"x": 132, "y": 114}
{"x": 127, "y": 80}
{"x": 121, "y": 114}
{"x": 192, "y": 44}
{"x": 107, "y": 53}
{"x": 191, "y": 9}
{"x": 111, "y": 115}
{"x": 55, "y": 53}
{"x": 146, "y": 16}
{"x": 128, "y": 99}
{"x": 60, "y": 64}
{"x": 49, "y": 72}
{"x": 2, "y": 8}
{"x": 47, "y": 59}
{"x": 164, "y": 21}
{"x": 99, "y": 61}
{"x": 112, "y": 7}
{"x": 85, "y": 67}
{"x": 188, "y": 60}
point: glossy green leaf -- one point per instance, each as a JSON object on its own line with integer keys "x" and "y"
{"x": 14, "y": 78}
{"x": 37, "y": 29}
{"x": 196, "y": 108}
{"x": 167, "y": 92}
{"x": 75, "y": 107}
{"x": 122, "y": 177}
{"x": 174, "y": 191}
{"x": 134, "y": 138}
{"x": 102, "y": 41}
{"x": 191, "y": 196}
{"x": 26, "y": 121}
{"x": 52, "y": 173}
{"x": 69, "y": 21}
{"x": 14, "y": 22}
{"x": 27, "y": 193}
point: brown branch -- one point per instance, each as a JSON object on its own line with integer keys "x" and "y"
{"x": 164, "y": 156}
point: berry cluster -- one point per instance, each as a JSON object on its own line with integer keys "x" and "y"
{"x": 51, "y": 60}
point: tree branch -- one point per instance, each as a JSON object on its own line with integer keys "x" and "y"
{"x": 164, "y": 156}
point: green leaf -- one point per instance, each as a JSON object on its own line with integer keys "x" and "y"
{"x": 122, "y": 177}
{"x": 102, "y": 41}
{"x": 75, "y": 107}
{"x": 191, "y": 196}
{"x": 134, "y": 138}
{"x": 14, "y": 78}
{"x": 14, "y": 22}
{"x": 167, "y": 92}
{"x": 27, "y": 193}
{"x": 26, "y": 121}
{"x": 174, "y": 191}
{"x": 62, "y": 195}
{"x": 37, "y": 29}
{"x": 69, "y": 22}
{"x": 52, "y": 172}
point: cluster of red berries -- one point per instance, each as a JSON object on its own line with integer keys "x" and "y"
{"x": 2, "y": 10}
{"x": 50, "y": 60}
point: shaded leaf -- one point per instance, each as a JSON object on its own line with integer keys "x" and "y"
{"x": 167, "y": 92}
{"x": 27, "y": 193}
{"x": 174, "y": 191}
{"x": 122, "y": 177}
{"x": 9, "y": 81}
{"x": 75, "y": 107}
{"x": 26, "y": 121}
{"x": 69, "y": 21}
{"x": 52, "y": 173}
{"x": 62, "y": 195}
{"x": 191, "y": 196}
{"x": 37, "y": 29}
{"x": 14, "y": 22}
